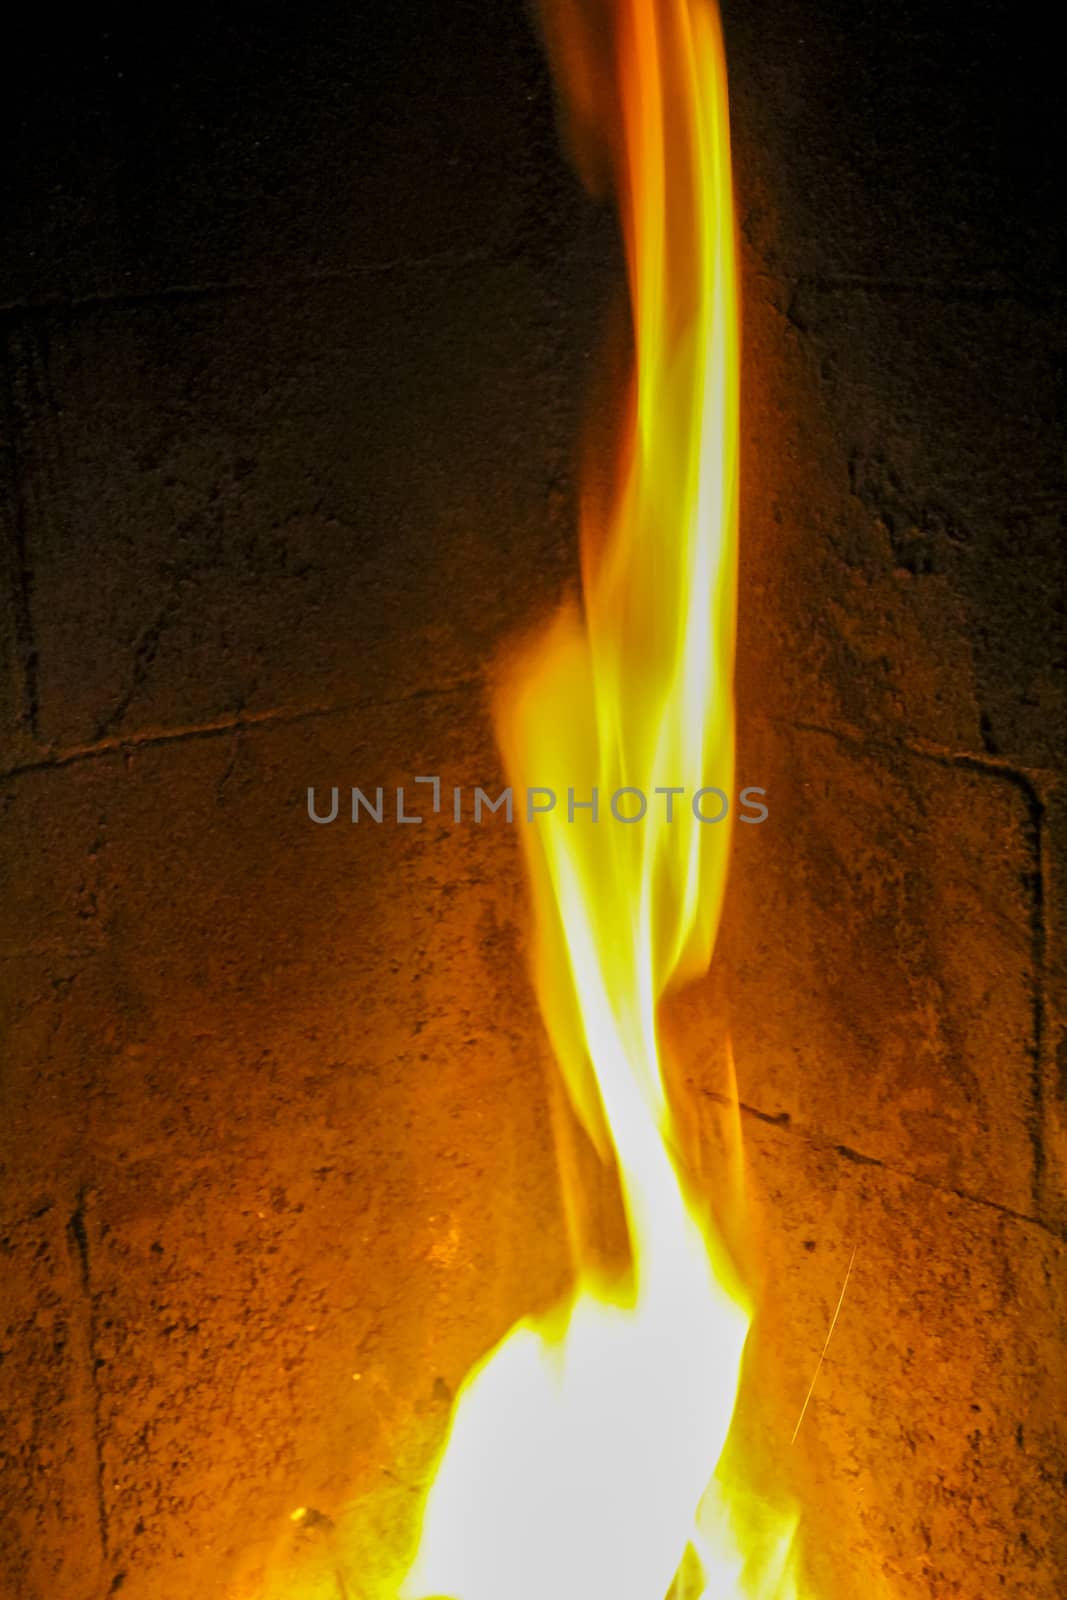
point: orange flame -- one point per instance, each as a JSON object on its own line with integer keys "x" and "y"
{"x": 581, "y": 1457}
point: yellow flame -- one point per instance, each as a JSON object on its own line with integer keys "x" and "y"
{"x": 581, "y": 1457}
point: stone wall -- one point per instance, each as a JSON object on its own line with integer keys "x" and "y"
{"x": 298, "y": 317}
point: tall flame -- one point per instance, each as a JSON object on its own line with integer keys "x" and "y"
{"x": 581, "y": 1458}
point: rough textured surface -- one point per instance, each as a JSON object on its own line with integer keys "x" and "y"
{"x": 199, "y": 152}
{"x": 884, "y": 916}
{"x": 236, "y": 472}
{"x": 311, "y": 1126}
{"x": 298, "y": 320}
{"x": 1053, "y": 1175}
{"x": 931, "y": 1452}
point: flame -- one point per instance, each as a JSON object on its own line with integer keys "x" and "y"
{"x": 581, "y": 1458}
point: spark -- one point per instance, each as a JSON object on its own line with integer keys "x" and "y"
{"x": 826, "y": 1345}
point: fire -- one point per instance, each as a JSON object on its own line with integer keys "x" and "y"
{"x": 581, "y": 1460}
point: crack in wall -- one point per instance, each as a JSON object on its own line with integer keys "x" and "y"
{"x": 78, "y": 1233}
{"x": 826, "y": 1144}
{"x": 285, "y": 716}
{"x": 960, "y": 290}
{"x": 186, "y": 293}
{"x": 113, "y": 744}
{"x": 1023, "y": 780}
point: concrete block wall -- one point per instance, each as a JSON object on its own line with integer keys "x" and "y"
{"x": 298, "y": 317}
